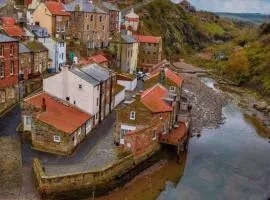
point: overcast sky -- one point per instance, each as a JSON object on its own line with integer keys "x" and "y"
{"x": 235, "y": 6}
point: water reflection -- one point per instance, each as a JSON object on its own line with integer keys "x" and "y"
{"x": 231, "y": 162}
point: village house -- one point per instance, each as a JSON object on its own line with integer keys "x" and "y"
{"x": 140, "y": 124}
{"x": 150, "y": 51}
{"x": 9, "y": 71}
{"x": 52, "y": 16}
{"x": 89, "y": 25}
{"x": 125, "y": 50}
{"x": 39, "y": 57}
{"x": 114, "y": 16}
{"x": 90, "y": 88}
{"x": 98, "y": 59}
{"x": 55, "y": 125}
{"x": 56, "y": 47}
{"x": 131, "y": 20}
{"x": 25, "y": 62}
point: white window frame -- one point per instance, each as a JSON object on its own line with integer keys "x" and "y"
{"x": 172, "y": 89}
{"x": 28, "y": 120}
{"x": 2, "y": 71}
{"x": 57, "y": 138}
{"x": 132, "y": 115}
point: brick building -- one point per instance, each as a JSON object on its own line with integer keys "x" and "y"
{"x": 9, "y": 71}
{"x": 140, "y": 124}
{"x": 114, "y": 16}
{"x": 52, "y": 16}
{"x": 55, "y": 126}
{"x": 39, "y": 57}
{"x": 89, "y": 25}
{"x": 150, "y": 51}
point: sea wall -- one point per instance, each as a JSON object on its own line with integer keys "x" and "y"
{"x": 102, "y": 179}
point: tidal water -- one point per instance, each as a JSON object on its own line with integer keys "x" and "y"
{"x": 231, "y": 162}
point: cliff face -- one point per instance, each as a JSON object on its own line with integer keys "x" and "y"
{"x": 182, "y": 31}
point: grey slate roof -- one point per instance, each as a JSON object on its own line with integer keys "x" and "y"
{"x": 93, "y": 73}
{"x": 84, "y": 6}
{"x": 38, "y": 31}
{"x": 128, "y": 39}
{"x": 110, "y": 6}
{"x": 4, "y": 38}
{"x": 23, "y": 49}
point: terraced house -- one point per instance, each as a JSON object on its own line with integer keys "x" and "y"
{"x": 9, "y": 71}
{"x": 150, "y": 51}
{"x": 89, "y": 25}
{"x": 52, "y": 16}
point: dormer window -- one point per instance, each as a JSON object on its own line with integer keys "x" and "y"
{"x": 172, "y": 89}
{"x": 132, "y": 115}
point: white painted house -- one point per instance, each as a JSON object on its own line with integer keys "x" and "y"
{"x": 57, "y": 48}
{"x": 127, "y": 81}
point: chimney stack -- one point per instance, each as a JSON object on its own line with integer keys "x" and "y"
{"x": 43, "y": 107}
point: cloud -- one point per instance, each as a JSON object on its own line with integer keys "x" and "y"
{"x": 236, "y": 6}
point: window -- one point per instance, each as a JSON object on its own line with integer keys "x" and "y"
{"x": 100, "y": 18}
{"x": 11, "y": 50}
{"x": 28, "y": 120}
{"x": 62, "y": 55}
{"x": 58, "y": 18}
{"x": 172, "y": 88}
{"x": 80, "y": 86}
{"x": 11, "y": 70}
{"x": 86, "y": 15}
{"x": 57, "y": 29}
{"x": 67, "y": 24}
{"x": 92, "y": 18}
{"x": 154, "y": 135}
{"x": 103, "y": 28}
{"x": 132, "y": 115}
{"x": 2, "y": 50}
{"x": 97, "y": 101}
{"x": 88, "y": 27}
{"x": 56, "y": 138}
{"x": 2, "y": 96}
{"x": 2, "y": 70}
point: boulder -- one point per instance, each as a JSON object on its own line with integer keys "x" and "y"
{"x": 260, "y": 106}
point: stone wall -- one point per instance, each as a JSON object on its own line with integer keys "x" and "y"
{"x": 102, "y": 179}
{"x": 11, "y": 96}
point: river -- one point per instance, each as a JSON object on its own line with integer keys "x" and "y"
{"x": 230, "y": 162}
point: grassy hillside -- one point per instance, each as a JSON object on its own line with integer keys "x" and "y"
{"x": 183, "y": 32}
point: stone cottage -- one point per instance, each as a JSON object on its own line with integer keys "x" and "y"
{"x": 9, "y": 71}
{"x": 56, "y": 126}
{"x": 150, "y": 51}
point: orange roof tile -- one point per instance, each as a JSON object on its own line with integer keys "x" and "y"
{"x": 98, "y": 59}
{"x": 153, "y": 98}
{"x": 176, "y": 135}
{"x": 13, "y": 30}
{"x": 56, "y": 8}
{"x": 173, "y": 77}
{"x": 64, "y": 117}
{"x": 147, "y": 39}
{"x": 8, "y": 20}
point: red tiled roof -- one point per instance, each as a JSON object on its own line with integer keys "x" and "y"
{"x": 13, "y": 30}
{"x": 98, "y": 59}
{"x": 147, "y": 39}
{"x": 8, "y": 20}
{"x": 153, "y": 98}
{"x": 64, "y": 117}
{"x": 56, "y": 8}
{"x": 132, "y": 19}
{"x": 124, "y": 77}
{"x": 173, "y": 77}
{"x": 176, "y": 135}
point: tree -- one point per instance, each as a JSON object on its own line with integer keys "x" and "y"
{"x": 238, "y": 65}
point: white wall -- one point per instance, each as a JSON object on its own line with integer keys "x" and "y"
{"x": 129, "y": 85}
{"x": 119, "y": 98}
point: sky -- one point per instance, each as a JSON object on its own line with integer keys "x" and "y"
{"x": 234, "y": 6}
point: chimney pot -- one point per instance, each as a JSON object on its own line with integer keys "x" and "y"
{"x": 43, "y": 105}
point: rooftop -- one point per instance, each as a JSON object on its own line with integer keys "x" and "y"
{"x": 98, "y": 59}
{"x": 8, "y": 20}
{"x": 36, "y": 46}
{"x": 131, "y": 14}
{"x": 128, "y": 39}
{"x": 175, "y": 136}
{"x": 97, "y": 72}
{"x": 56, "y": 8}
{"x": 147, "y": 39}
{"x": 4, "y": 38}
{"x": 23, "y": 49}
{"x": 178, "y": 80}
{"x": 83, "y": 5}
{"x": 153, "y": 99}
{"x": 110, "y": 6}
{"x": 58, "y": 114}
{"x": 38, "y": 31}
{"x": 13, "y": 30}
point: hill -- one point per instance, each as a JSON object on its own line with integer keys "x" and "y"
{"x": 255, "y": 18}
{"x": 183, "y": 32}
